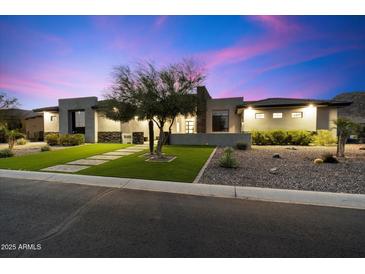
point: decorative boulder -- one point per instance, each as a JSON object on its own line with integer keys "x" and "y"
{"x": 273, "y": 170}
{"x": 318, "y": 161}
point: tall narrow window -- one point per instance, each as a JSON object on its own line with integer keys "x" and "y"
{"x": 220, "y": 120}
{"x": 79, "y": 119}
{"x": 189, "y": 126}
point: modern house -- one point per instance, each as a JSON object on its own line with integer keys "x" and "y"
{"x": 214, "y": 116}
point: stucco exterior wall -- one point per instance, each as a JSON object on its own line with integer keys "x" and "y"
{"x": 34, "y": 128}
{"x": 229, "y": 104}
{"x": 107, "y": 125}
{"x": 307, "y": 122}
{"x": 325, "y": 118}
{"x": 51, "y": 125}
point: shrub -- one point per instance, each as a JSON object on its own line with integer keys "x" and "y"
{"x": 329, "y": 158}
{"x": 72, "y": 139}
{"x": 278, "y": 137}
{"x": 300, "y": 137}
{"x": 241, "y": 146}
{"x": 21, "y": 141}
{"x": 45, "y": 148}
{"x": 281, "y": 137}
{"x": 258, "y": 137}
{"x": 53, "y": 139}
{"x": 5, "y": 153}
{"x": 227, "y": 160}
{"x": 323, "y": 138}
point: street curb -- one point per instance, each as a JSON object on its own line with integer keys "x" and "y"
{"x": 200, "y": 174}
{"x": 329, "y": 199}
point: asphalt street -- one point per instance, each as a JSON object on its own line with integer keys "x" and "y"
{"x": 40, "y": 219}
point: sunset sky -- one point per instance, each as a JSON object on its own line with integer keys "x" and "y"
{"x": 43, "y": 58}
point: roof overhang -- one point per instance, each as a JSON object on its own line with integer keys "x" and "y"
{"x": 240, "y": 109}
{"x": 49, "y": 109}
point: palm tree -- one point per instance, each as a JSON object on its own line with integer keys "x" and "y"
{"x": 345, "y": 127}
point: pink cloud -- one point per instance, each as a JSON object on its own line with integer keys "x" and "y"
{"x": 28, "y": 86}
{"x": 277, "y": 23}
{"x": 243, "y": 51}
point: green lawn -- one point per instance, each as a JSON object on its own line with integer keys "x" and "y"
{"x": 184, "y": 168}
{"x": 45, "y": 159}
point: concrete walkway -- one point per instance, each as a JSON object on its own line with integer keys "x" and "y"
{"x": 343, "y": 200}
{"x": 95, "y": 160}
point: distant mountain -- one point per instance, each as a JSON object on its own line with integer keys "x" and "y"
{"x": 355, "y": 111}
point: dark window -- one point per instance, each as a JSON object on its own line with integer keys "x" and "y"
{"x": 220, "y": 120}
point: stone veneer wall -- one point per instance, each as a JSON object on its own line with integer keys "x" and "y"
{"x": 137, "y": 137}
{"x": 202, "y": 97}
{"x": 109, "y": 137}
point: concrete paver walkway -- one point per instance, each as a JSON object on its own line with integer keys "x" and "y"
{"x": 81, "y": 164}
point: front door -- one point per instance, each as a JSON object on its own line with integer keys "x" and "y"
{"x": 78, "y": 121}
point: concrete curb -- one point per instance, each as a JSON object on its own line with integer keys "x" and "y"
{"x": 200, "y": 174}
{"x": 342, "y": 200}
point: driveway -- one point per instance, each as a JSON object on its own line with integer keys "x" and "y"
{"x": 81, "y": 221}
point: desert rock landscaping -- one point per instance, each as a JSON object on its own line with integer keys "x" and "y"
{"x": 293, "y": 169}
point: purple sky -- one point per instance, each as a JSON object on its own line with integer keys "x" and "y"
{"x": 43, "y": 58}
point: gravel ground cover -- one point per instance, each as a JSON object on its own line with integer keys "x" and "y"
{"x": 29, "y": 148}
{"x": 294, "y": 169}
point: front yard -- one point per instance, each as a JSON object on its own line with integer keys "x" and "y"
{"x": 294, "y": 169}
{"x": 41, "y": 160}
{"x": 189, "y": 160}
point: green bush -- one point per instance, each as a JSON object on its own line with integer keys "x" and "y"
{"x": 241, "y": 146}
{"x": 5, "y": 153}
{"x": 282, "y": 137}
{"x": 72, "y": 139}
{"x": 53, "y": 139}
{"x": 329, "y": 158}
{"x": 323, "y": 138}
{"x": 227, "y": 160}
{"x": 45, "y": 148}
{"x": 21, "y": 142}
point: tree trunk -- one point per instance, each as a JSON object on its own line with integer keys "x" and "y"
{"x": 341, "y": 146}
{"x": 151, "y": 135}
{"x": 161, "y": 139}
{"x": 11, "y": 143}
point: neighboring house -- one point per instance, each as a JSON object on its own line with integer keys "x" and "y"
{"x": 225, "y": 115}
{"x": 15, "y": 119}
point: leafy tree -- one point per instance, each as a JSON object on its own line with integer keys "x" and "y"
{"x": 345, "y": 127}
{"x": 5, "y": 103}
{"x": 156, "y": 94}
